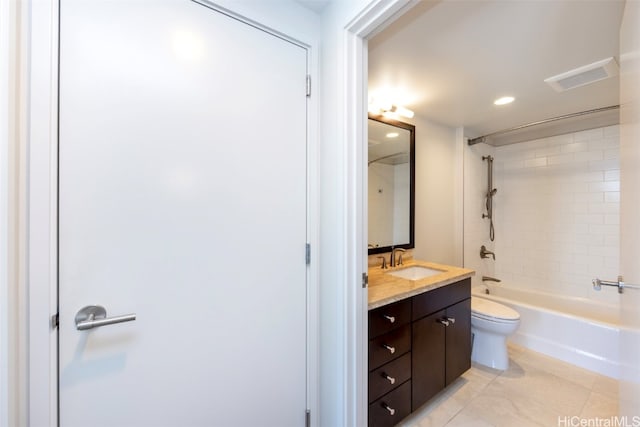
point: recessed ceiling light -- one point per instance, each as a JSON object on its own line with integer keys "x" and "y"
{"x": 504, "y": 100}
{"x": 392, "y": 135}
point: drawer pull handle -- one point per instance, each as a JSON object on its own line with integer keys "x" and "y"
{"x": 390, "y": 318}
{"x": 391, "y": 379}
{"x": 451, "y": 320}
{"x": 389, "y": 408}
{"x": 444, "y": 322}
{"x": 388, "y": 347}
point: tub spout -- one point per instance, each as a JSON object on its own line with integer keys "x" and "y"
{"x": 490, "y": 279}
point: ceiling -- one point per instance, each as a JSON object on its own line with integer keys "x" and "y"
{"x": 317, "y": 6}
{"x": 449, "y": 60}
{"x": 388, "y": 144}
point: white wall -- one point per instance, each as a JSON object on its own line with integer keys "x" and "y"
{"x": 388, "y": 204}
{"x": 12, "y": 347}
{"x": 557, "y": 212}
{"x": 382, "y": 190}
{"x": 435, "y": 218}
{"x": 5, "y": 138}
{"x": 401, "y": 202}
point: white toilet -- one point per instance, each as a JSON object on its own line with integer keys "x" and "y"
{"x": 491, "y": 324}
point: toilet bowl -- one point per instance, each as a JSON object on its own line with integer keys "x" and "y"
{"x": 491, "y": 324}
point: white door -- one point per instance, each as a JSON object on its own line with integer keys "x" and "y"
{"x": 630, "y": 210}
{"x": 182, "y": 183}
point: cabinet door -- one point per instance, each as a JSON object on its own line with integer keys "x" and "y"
{"x": 458, "y": 340}
{"x": 427, "y": 358}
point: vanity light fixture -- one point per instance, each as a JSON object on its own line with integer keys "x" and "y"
{"x": 392, "y": 135}
{"x": 504, "y": 100}
{"x": 389, "y": 110}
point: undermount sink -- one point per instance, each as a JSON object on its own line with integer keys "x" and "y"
{"x": 415, "y": 272}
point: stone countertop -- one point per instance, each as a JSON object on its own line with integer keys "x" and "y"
{"x": 385, "y": 288}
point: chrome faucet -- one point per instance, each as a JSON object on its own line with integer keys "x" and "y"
{"x": 484, "y": 253}
{"x": 384, "y": 262}
{"x": 392, "y": 258}
{"x": 490, "y": 279}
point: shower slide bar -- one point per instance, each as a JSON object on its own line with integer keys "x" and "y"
{"x": 489, "y": 200}
{"x": 597, "y": 284}
{"x": 483, "y": 138}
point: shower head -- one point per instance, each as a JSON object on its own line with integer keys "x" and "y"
{"x": 493, "y": 192}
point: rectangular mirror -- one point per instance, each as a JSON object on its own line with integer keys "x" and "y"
{"x": 391, "y": 178}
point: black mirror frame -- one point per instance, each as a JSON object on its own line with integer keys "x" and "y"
{"x": 412, "y": 183}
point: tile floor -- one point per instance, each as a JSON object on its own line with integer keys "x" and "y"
{"x": 536, "y": 390}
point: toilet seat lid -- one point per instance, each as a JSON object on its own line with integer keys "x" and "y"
{"x": 485, "y": 308}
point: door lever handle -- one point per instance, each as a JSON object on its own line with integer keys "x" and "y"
{"x": 93, "y": 316}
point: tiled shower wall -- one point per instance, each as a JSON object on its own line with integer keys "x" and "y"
{"x": 557, "y": 213}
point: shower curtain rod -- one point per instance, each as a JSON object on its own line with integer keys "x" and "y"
{"x": 483, "y": 138}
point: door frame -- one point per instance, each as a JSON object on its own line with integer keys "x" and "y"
{"x": 376, "y": 16}
{"x": 40, "y": 386}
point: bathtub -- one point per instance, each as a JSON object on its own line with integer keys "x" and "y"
{"x": 575, "y": 330}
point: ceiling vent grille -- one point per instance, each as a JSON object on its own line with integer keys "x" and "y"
{"x": 584, "y": 75}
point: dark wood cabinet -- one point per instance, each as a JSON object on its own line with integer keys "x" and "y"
{"x": 390, "y": 363}
{"x": 387, "y": 347}
{"x": 389, "y": 317}
{"x": 441, "y": 350}
{"x": 390, "y": 409}
{"x": 441, "y": 339}
{"x": 387, "y": 377}
{"x": 417, "y": 347}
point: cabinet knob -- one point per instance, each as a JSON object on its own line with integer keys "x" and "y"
{"x": 389, "y": 408}
{"x": 388, "y": 347}
{"x": 390, "y": 379}
{"x": 444, "y": 322}
{"x": 391, "y": 319}
{"x": 451, "y": 320}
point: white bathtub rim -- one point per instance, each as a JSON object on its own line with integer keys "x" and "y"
{"x": 583, "y": 359}
{"x": 593, "y": 322}
{"x": 606, "y": 363}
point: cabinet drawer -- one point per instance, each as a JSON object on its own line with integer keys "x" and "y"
{"x": 389, "y": 346}
{"x": 437, "y": 299}
{"x": 391, "y": 316}
{"x": 389, "y": 376}
{"x": 391, "y": 408}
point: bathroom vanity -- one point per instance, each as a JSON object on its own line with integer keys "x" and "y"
{"x": 419, "y": 335}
